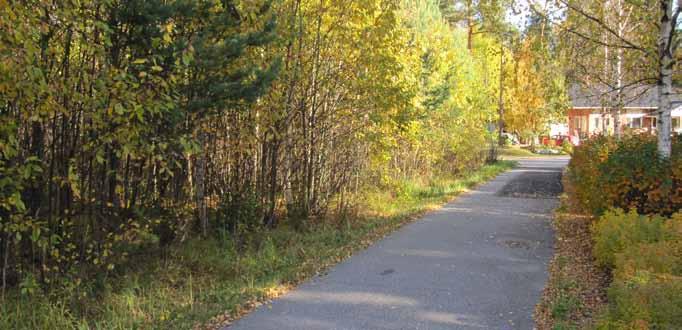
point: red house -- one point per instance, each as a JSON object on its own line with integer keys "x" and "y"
{"x": 591, "y": 111}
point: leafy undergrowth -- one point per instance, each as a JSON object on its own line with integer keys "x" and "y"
{"x": 576, "y": 290}
{"x": 219, "y": 279}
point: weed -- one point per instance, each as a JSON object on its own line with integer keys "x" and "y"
{"x": 565, "y": 305}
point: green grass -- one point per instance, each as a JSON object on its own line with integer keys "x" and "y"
{"x": 564, "y": 306}
{"x": 566, "y": 303}
{"x": 218, "y": 279}
{"x": 516, "y": 151}
{"x": 413, "y": 196}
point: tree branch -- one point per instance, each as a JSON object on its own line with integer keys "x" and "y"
{"x": 627, "y": 44}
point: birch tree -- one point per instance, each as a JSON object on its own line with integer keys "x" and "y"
{"x": 667, "y": 45}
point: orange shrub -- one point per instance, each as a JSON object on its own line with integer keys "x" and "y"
{"x": 627, "y": 174}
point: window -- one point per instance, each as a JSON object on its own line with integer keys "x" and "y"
{"x": 677, "y": 123}
{"x": 608, "y": 122}
{"x": 654, "y": 122}
{"x": 635, "y": 122}
{"x": 596, "y": 122}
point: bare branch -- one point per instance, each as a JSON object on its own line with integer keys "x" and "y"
{"x": 627, "y": 44}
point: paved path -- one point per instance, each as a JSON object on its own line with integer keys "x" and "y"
{"x": 477, "y": 263}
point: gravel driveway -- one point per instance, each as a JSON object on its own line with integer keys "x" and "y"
{"x": 477, "y": 263}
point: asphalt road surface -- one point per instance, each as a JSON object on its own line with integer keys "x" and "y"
{"x": 478, "y": 263}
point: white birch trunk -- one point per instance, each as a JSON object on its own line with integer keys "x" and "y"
{"x": 619, "y": 73}
{"x": 611, "y": 102}
{"x": 665, "y": 70}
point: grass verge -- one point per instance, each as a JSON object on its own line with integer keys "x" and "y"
{"x": 523, "y": 152}
{"x": 219, "y": 280}
{"x": 576, "y": 290}
{"x": 515, "y": 151}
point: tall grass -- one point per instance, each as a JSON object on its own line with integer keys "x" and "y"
{"x": 218, "y": 279}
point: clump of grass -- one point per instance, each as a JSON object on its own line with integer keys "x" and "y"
{"x": 220, "y": 278}
{"x": 565, "y": 305}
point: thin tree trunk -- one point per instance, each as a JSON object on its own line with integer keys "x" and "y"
{"x": 501, "y": 98}
{"x": 274, "y": 154}
{"x": 619, "y": 74}
{"x": 200, "y": 182}
{"x": 470, "y": 26}
{"x": 5, "y": 264}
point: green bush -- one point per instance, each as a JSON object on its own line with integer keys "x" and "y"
{"x": 641, "y": 246}
{"x": 645, "y": 254}
{"x": 661, "y": 257}
{"x": 616, "y": 230}
{"x": 635, "y": 177}
{"x": 627, "y": 174}
{"x": 649, "y": 301}
{"x": 584, "y": 171}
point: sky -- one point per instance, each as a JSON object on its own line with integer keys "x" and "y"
{"x": 520, "y": 11}
{"x": 518, "y": 15}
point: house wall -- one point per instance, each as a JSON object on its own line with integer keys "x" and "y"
{"x": 578, "y": 122}
{"x": 677, "y": 120}
{"x": 584, "y": 123}
{"x": 677, "y": 125}
{"x": 600, "y": 124}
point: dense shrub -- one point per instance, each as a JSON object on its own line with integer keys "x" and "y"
{"x": 645, "y": 254}
{"x": 238, "y": 213}
{"x": 641, "y": 247}
{"x": 651, "y": 301}
{"x": 660, "y": 257}
{"x": 616, "y": 231}
{"x": 627, "y": 174}
{"x": 584, "y": 171}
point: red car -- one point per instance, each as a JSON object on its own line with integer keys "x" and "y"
{"x": 559, "y": 139}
